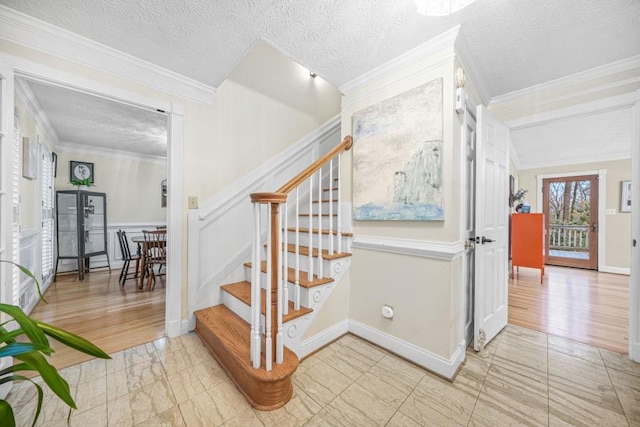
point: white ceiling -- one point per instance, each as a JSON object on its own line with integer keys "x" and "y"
{"x": 80, "y": 118}
{"x": 515, "y": 44}
{"x": 603, "y": 136}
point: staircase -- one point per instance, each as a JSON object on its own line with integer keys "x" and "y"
{"x": 298, "y": 251}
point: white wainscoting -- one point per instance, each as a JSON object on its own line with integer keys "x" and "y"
{"x": 113, "y": 247}
{"x": 29, "y": 258}
{"x": 423, "y": 248}
{"x": 219, "y": 232}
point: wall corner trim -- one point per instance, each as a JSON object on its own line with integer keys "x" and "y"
{"x": 428, "y": 249}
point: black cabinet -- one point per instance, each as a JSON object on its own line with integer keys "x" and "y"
{"x": 81, "y": 223}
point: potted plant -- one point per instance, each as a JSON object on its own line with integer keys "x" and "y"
{"x": 517, "y": 196}
{"x": 82, "y": 184}
{"x": 25, "y": 339}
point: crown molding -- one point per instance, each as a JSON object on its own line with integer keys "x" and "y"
{"x": 545, "y": 91}
{"x": 24, "y": 93}
{"x": 72, "y": 147}
{"x": 36, "y": 34}
{"x": 575, "y": 160}
{"x": 425, "y": 50}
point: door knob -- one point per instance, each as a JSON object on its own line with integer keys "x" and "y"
{"x": 485, "y": 240}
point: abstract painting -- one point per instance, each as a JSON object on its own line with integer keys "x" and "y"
{"x": 397, "y": 157}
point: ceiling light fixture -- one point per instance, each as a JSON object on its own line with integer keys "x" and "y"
{"x": 312, "y": 74}
{"x": 440, "y": 7}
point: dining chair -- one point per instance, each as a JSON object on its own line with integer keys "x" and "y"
{"x": 155, "y": 253}
{"x": 127, "y": 257}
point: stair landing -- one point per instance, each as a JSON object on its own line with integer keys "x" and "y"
{"x": 227, "y": 337}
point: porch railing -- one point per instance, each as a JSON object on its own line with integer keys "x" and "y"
{"x": 325, "y": 169}
{"x": 569, "y": 237}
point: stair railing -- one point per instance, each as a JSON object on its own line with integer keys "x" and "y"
{"x": 278, "y": 247}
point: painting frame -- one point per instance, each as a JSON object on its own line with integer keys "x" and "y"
{"x": 398, "y": 156}
{"x": 625, "y": 196}
{"x": 79, "y": 171}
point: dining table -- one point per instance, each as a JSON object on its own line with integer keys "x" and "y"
{"x": 142, "y": 249}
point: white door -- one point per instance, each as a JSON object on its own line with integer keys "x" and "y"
{"x": 492, "y": 228}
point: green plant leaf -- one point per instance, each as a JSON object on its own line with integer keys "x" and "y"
{"x": 16, "y": 368}
{"x": 29, "y": 274}
{"x": 28, "y": 325}
{"x": 72, "y": 340}
{"x": 38, "y": 388}
{"x": 21, "y": 347}
{"x": 6, "y": 414}
{"x": 50, "y": 375}
{"x": 6, "y": 336}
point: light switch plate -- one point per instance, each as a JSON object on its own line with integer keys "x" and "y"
{"x": 193, "y": 202}
{"x": 610, "y": 212}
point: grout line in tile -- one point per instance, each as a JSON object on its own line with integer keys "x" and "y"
{"x": 615, "y": 390}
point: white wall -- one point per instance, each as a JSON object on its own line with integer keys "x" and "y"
{"x": 132, "y": 185}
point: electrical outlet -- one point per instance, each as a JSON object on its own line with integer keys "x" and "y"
{"x": 610, "y": 212}
{"x": 193, "y": 202}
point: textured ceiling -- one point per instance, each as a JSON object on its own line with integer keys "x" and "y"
{"x": 606, "y": 135}
{"x": 516, "y": 43}
{"x": 80, "y": 118}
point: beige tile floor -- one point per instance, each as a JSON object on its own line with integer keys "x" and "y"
{"x": 522, "y": 378}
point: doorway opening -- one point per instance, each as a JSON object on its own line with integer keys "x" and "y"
{"x": 570, "y": 207}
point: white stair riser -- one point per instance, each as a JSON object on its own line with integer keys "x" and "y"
{"x": 304, "y": 240}
{"x": 304, "y": 222}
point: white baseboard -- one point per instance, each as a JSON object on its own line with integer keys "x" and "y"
{"x": 325, "y": 337}
{"x": 439, "y": 365}
{"x": 184, "y": 327}
{"x": 614, "y": 270}
{"x": 174, "y": 328}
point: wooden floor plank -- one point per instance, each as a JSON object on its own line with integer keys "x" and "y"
{"x": 99, "y": 310}
{"x": 581, "y": 305}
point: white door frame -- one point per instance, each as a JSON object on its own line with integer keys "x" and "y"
{"x": 175, "y": 114}
{"x": 634, "y": 279}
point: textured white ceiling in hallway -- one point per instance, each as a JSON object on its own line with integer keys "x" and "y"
{"x": 82, "y": 119}
{"x": 515, "y": 43}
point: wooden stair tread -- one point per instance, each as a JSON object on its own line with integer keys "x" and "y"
{"x": 242, "y": 291}
{"x": 330, "y": 189}
{"x": 291, "y": 276}
{"x": 326, "y": 201}
{"x": 227, "y": 337}
{"x": 324, "y": 231}
{"x": 304, "y": 250}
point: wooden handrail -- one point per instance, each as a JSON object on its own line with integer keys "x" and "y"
{"x": 345, "y": 145}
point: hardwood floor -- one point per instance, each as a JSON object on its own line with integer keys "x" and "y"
{"x": 99, "y": 310}
{"x": 581, "y": 305}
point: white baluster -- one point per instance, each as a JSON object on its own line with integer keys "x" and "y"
{"x": 310, "y": 245}
{"x": 330, "y": 208}
{"x": 296, "y": 303}
{"x": 339, "y": 208}
{"x": 320, "y": 266}
{"x": 255, "y": 289}
{"x": 283, "y": 261}
{"x": 280, "y": 292}
{"x": 267, "y": 312}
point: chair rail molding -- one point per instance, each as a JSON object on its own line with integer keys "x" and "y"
{"x": 428, "y": 249}
{"x": 36, "y": 34}
{"x": 219, "y": 240}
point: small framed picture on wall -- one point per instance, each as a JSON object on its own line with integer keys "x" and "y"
{"x": 80, "y": 171}
{"x": 625, "y": 196}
